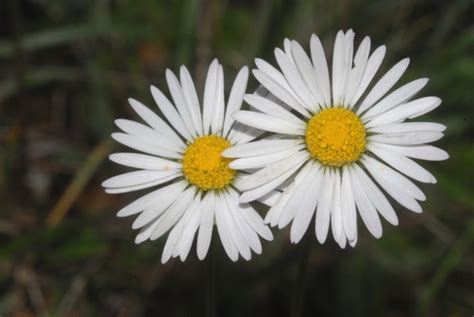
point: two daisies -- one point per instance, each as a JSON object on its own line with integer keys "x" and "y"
{"x": 311, "y": 145}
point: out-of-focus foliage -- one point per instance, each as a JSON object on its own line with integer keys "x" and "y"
{"x": 66, "y": 71}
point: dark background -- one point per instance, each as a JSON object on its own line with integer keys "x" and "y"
{"x": 66, "y": 71}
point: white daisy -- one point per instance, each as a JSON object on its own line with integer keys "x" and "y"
{"x": 335, "y": 144}
{"x": 198, "y": 186}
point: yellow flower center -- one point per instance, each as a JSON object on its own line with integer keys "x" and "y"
{"x": 335, "y": 137}
{"x": 204, "y": 166}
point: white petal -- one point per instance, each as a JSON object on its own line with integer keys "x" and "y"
{"x": 174, "y": 212}
{"x": 376, "y": 197}
{"x": 148, "y": 135}
{"x": 152, "y": 198}
{"x": 348, "y": 208}
{"x": 254, "y": 220}
{"x": 348, "y": 57}
{"x": 323, "y": 211}
{"x": 295, "y": 80}
{"x": 210, "y": 94}
{"x": 320, "y": 68}
{"x": 265, "y": 159}
{"x": 144, "y": 161}
{"x": 336, "y": 212}
{"x": 135, "y": 178}
{"x": 224, "y": 230}
{"x": 373, "y": 64}
{"x": 273, "y": 73}
{"x": 206, "y": 225}
{"x": 164, "y": 179}
{"x": 141, "y": 144}
{"x": 307, "y": 206}
{"x": 408, "y": 127}
{"x": 180, "y": 102}
{"x": 406, "y": 138}
{"x": 170, "y": 112}
{"x": 235, "y": 98}
{"x": 217, "y": 121}
{"x": 384, "y": 84}
{"x": 237, "y": 236}
{"x": 189, "y": 231}
{"x": 280, "y": 92}
{"x": 403, "y": 164}
{"x": 396, "y": 185}
{"x": 422, "y": 152}
{"x": 306, "y": 70}
{"x": 241, "y": 133}
{"x": 156, "y": 122}
{"x": 271, "y": 108}
{"x": 355, "y": 74}
{"x": 260, "y": 147}
{"x": 302, "y": 182}
{"x": 338, "y": 68}
{"x": 397, "y": 97}
{"x": 274, "y": 170}
{"x": 366, "y": 209}
{"x": 191, "y": 98}
{"x": 269, "y": 123}
{"x": 408, "y": 110}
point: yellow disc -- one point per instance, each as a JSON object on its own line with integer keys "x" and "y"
{"x": 335, "y": 137}
{"x": 204, "y": 166}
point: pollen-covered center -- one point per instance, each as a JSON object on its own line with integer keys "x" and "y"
{"x": 204, "y": 166}
{"x": 335, "y": 137}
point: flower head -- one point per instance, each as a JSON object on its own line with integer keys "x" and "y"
{"x": 336, "y": 143}
{"x": 183, "y": 156}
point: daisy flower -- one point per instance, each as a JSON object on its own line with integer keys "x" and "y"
{"x": 338, "y": 147}
{"x": 183, "y": 156}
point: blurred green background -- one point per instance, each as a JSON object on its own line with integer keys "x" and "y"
{"x": 66, "y": 71}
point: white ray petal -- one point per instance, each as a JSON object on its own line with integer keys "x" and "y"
{"x": 144, "y": 161}
{"x": 269, "y": 123}
{"x": 189, "y": 231}
{"x": 271, "y": 108}
{"x": 241, "y": 133}
{"x": 224, "y": 230}
{"x": 384, "y": 84}
{"x": 135, "y": 178}
{"x": 376, "y": 197}
{"x": 280, "y": 92}
{"x": 164, "y": 179}
{"x": 210, "y": 94}
{"x": 191, "y": 98}
{"x": 408, "y": 127}
{"x": 403, "y": 164}
{"x": 355, "y": 74}
{"x": 274, "y": 170}
{"x": 170, "y": 112}
{"x": 152, "y": 198}
{"x": 303, "y": 63}
{"x": 338, "y": 68}
{"x": 179, "y": 101}
{"x": 348, "y": 208}
{"x": 307, "y": 207}
{"x": 336, "y": 212}
{"x": 219, "y": 106}
{"x": 260, "y": 147}
{"x": 156, "y": 122}
{"x": 174, "y": 212}
{"x": 406, "y": 138}
{"x": 323, "y": 211}
{"x": 265, "y": 159}
{"x": 367, "y": 211}
{"x": 408, "y": 110}
{"x": 142, "y": 145}
{"x": 422, "y": 152}
{"x": 235, "y": 98}
{"x": 373, "y": 64}
{"x": 295, "y": 79}
{"x": 396, "y": 185}
{"x": 206, "y": 226}
{"x": 320, "y": 68}
{"x": 396, "y": 98}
